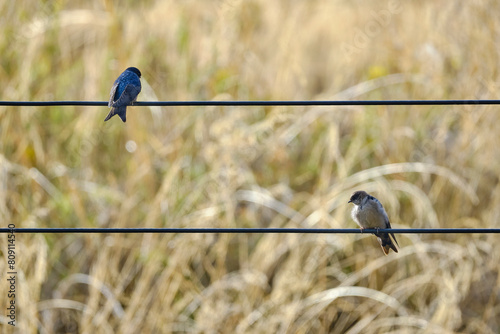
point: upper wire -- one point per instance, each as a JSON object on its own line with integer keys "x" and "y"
{"x": 256, "y": 103}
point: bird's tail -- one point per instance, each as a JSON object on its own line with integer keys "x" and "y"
{"x": 120, "y": 111}
{"x": 385, "y": 241}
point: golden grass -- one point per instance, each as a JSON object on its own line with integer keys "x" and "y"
{"x": 251, "y": 167}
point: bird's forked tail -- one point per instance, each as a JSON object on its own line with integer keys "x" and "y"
{"x": 120, "y": 111}
{"x": 385, "y": 241}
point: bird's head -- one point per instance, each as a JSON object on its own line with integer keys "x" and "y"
{"x": 135, "y": 70}
{"x": 357, "y": 197}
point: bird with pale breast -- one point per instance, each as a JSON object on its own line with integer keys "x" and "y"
{"x": 368, "y": 212}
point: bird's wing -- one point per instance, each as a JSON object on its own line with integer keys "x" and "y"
{"x": 382, "y": 211}
{"x": 388, "y": 225}
{"x": 112, "y": 94}
{"x": 129, "y": 95}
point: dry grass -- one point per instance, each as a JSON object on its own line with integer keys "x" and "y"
{"x": 251, "y": 167}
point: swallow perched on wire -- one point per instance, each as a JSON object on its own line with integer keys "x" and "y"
{"x": 124, "y": 93}
{"x": 368, "y": 212}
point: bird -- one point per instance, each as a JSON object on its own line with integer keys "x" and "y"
{"x": 124, "y": 93}
{"x": 368, "y": 212}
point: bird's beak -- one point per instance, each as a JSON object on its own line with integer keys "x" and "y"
{"x": 349, "y": 201}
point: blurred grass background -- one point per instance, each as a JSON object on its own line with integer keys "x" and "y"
{"x": 251, "y": 167}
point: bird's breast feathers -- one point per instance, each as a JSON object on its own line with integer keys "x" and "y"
{"x": 369, "y": 215}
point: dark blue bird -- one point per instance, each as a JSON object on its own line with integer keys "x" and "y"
{"x": 124, "y": 93}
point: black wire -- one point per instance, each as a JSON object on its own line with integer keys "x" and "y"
{"x": 256, "y": 103}
{"x": 251, "y": 230}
